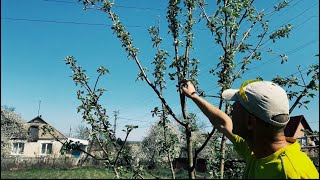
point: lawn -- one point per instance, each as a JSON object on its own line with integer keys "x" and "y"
{"x": 82, "y": 173}
{"x": 44, "y": 173}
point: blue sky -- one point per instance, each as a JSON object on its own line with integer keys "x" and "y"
{"x": 37, "y": 35}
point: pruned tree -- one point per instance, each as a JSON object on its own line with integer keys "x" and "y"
{"x": 237, "y": 52}
{"x": 225, "y": 25}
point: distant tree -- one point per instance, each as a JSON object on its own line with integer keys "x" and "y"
{"x": 11, "y": 109}
{"x": 82, "y": 132}
{"x": 153, "y": 144}
{"x": 12, "y": 126}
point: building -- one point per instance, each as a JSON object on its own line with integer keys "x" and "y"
{"x": 39, "y": 143}
{"x": 299, "y": 128}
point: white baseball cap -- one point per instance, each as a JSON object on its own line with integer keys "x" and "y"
{"x": 264, "y": 99}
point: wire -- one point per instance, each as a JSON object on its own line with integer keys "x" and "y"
{"x": 313, "y": 122}
{"x": 115, "y": 6}
{"x": 132, "y": 119}
{"x": 289, "y": 52}
{"x": 63, "y": 22}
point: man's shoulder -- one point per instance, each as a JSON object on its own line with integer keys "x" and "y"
{"x": 297, "y": 164}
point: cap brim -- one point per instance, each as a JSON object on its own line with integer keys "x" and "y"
{"x": 230, "y": 94}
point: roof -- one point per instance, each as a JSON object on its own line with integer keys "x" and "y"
{"x": 39, "y": 123}
{"x": 38, "y": 119}
{"x": 293, "y": 124}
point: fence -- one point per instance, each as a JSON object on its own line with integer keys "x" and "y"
{"x": 11, "y": 163}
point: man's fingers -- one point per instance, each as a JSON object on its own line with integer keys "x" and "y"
{"x": 184, "y": 83}
{"x": 184, "y": 80}
{"x": 184, "y": 88}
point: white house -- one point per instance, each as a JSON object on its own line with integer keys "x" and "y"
{"x": 39, "y": 143}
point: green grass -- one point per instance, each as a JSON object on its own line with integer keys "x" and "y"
{"x": 85, "y": 173}
{"x": 43, "y": 173}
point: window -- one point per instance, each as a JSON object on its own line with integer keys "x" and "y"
{"x": 46, "y": 148}
{"x": 33, "y": 134}
{"x": 17, "y": 148}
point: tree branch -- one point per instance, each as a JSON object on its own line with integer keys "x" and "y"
{"x": 249, "y": 57}
{"x": 301, "y": 96}
{"x": 134, "y": 56}
{"x": 209, "y": 23}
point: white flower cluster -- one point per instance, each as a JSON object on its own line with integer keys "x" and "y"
{"x": 12, "y": 126}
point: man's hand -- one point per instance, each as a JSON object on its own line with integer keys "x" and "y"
{"x": 187, "y": 88}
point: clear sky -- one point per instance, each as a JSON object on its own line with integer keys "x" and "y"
{"x": 37, "y": 35}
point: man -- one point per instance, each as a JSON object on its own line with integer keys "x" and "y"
{"x": 259, "y": 116}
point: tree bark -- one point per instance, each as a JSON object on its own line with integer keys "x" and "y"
{"x": 223, "y": 152}
{"x": 191, "y": 168}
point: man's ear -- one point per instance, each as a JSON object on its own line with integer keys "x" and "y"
{"x": 251, "y": 122}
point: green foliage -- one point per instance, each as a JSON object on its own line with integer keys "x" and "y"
{"x": 224, "y": 25}
{"x": 234, "y": 166}
{"x": 282, "y": 32}
{"x": 304, "y": 90}
{"x": 159, "y": 59}
{"x": 114, "y": 149}
{"x": 281, "y": 5}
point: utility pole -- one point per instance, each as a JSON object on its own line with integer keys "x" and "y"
{"x": 70, "y": 131}
{"x": 116, "y": 113}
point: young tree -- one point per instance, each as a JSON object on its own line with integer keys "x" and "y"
{"x": 225, "y": 26}
{"x": 115, "y": 151}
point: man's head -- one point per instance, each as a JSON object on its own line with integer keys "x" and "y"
{"x": 262, "y": 100}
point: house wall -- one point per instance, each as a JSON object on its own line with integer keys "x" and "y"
{"x": 299, "y": 133}
{"x": 304, "y": 141}
{"x": 33, "y": 149}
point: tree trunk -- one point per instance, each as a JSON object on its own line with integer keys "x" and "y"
{"x": 223, "y": 152}
{"x": 165, "y": 137}
{"x": 87, "y": 155}
{"x": 223, "y": 144}
{"x": 191, "y": 167}
{"x": 171, "y": 167}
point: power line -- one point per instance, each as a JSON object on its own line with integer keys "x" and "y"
{"x": 290, "y": 7}
{"x": 115, "y": 6}
{"x": 288, "y": 22}
{"x": 272, "y": 13}
{"x": 313, "y": 122}
{"x": 304, "y": 11}
{"x": 132, "y": 119}
{"x": 80, "y": 23}
{"x": 65, "y": 22}
{"x": 289, "y": 52}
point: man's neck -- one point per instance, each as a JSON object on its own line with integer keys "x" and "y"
{"x": 263, "y": 146}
